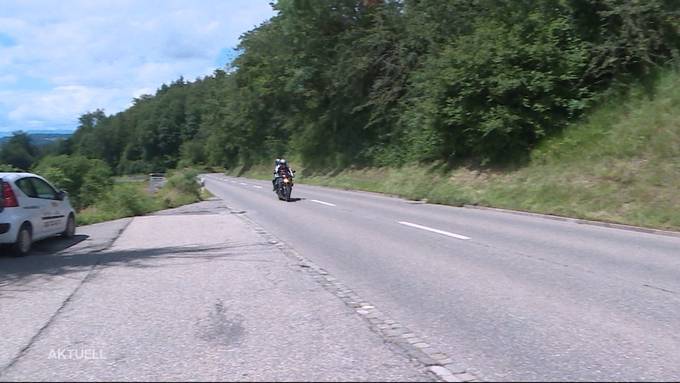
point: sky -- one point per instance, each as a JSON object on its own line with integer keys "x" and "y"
{"x": 60, "y": 59}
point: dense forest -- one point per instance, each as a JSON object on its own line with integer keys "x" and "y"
{"x": 334, "y": 83}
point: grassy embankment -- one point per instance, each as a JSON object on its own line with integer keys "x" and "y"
{"x": 130, "y": 196}
{"x": 619, "y": 164}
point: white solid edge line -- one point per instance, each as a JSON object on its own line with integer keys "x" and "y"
{"x": 434, "y": 230}
{"x": 323, "y": 203}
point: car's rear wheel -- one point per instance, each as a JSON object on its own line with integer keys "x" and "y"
{"x": 70, "y": 230}
{"x": 24, "y": 241}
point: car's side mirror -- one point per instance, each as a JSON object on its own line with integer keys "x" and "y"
{"x": 61, "y": 195}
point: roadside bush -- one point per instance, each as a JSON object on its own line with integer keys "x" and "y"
{"x": 184, "y": 181}
{"x": 125, "y": 199}
{"x": 130, "y": 198}
{"x": 8, "y": 168}
{"x": 86, "y": 180}
{"x": 133, "y": 167}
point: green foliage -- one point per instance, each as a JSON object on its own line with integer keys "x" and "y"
{"x": 86, "y": 180}
{"x": 184, "y": 182}
{"x": 125, "y": 199}
{"x": 621, "y": 164}
{"x": 128, "y": 198}
{"x": 354, "y": 82}
{"x": 627, "y": 37}
{"x": 22, "y": 150}
{"x": 8, "y": 168}
{"x": 18, "y": 151}
{"x": 58, "y": 178}
{"x": 495, "y": 92}
{"x": 193, "y": 152}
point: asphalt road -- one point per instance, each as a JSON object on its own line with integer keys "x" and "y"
{"x": 34, "y": 288}
{"x": 189, "y": 294}
{"x": 505, "y": 296}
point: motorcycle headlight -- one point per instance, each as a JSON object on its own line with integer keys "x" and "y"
{"x": 285, "y": 180}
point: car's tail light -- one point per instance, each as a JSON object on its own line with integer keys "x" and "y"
{"x": 9, "y": 199}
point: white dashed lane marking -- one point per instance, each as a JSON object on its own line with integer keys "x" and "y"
{"x": 442, "y": 232}
{"x": 323, "y": 203}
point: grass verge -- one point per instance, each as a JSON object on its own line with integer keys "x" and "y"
{"x": 131, "y": 197}
{"x": 621, "y": 165}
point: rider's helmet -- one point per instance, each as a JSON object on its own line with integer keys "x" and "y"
{"x": 277, "y": 161}
{"x": 283, "y": 162}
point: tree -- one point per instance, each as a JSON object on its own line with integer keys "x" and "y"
{"x": 86, "y": 180}
{"x": 18, "y": 151}
{"x": 383, "y": 82}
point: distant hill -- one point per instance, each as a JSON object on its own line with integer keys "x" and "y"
{"x": 41, "y": 139}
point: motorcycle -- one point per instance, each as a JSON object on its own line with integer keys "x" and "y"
{"x": 284, "y": 187}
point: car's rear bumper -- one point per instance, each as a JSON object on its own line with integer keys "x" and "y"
{"x": 7, "y": 233}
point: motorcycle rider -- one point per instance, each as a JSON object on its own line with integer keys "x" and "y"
{"x": 276, "y": 166}
{"x": 281, "y": 169}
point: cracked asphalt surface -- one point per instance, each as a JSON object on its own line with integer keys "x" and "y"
{"x": 523, "y": 298}
{"x": 206, "y": 292}
{"x": 184, "y": 295}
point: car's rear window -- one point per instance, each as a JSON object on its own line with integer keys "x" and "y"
{"x": 27, "y": 187}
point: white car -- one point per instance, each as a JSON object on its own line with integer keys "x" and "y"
{"x": 31, "y": 209}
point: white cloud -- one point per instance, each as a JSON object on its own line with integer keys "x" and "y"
{"x": 61, "y": 102}
{"x": 101, "y": 54}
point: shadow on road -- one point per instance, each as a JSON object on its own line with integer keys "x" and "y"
{"x": 48, "y": 246}
{"x": 18, "y": 272}
{"x": 55, "y": 245}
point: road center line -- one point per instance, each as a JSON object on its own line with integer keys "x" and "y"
{"x": 323, "y": 203}
{"x": 257, "y": 186}
{"x": 243, "y": 183}
{"x": 434, "y": 230}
